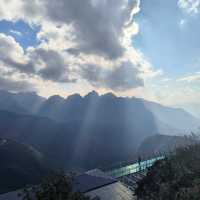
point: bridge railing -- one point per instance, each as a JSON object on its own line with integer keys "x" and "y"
{"x": 133, "y": 168}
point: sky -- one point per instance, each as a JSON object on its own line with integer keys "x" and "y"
{"x": 148, "y": 49}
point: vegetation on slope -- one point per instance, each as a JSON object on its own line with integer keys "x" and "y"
{"x": 20, "y": 165}
{"x": 165, "y": 143}
{"x": 56, "y": 186}
{"x": 175, "y": 178}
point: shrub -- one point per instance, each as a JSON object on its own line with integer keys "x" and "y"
{"x": 177, "y": 177}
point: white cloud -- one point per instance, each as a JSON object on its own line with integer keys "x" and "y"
{"x": 171, "y": 93}
{"x": 12, "y": 54}
{"x": 75, "y": 34}
{"x": 182, "y": 23}
{"x": 90, "y": 44}
{"x": 192, "y": 78}
{"x": 45, "y": 63}
{"x": 15, "y": 32}
{"x": 190, "y": 6}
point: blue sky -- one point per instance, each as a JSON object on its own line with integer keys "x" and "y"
{"x": 169, "y": 37}
{"x": 21, "y": 31}
{"x": 162, "y": 39}
{"x": 147, "y": 48}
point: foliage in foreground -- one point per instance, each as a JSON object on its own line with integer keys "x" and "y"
{"x": 174, "y": 178}
{"x": 55, "y": 187}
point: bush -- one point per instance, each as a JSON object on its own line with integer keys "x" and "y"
{"x": 57, "y": 186}
{"x": 177, "y": 177}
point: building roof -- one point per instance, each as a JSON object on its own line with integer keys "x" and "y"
{"x": 94, "y": 183}
{"x": 114, "y": 191}
{"x": 92, "y": 180}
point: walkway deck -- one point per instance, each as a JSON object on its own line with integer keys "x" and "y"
{"x": 133, "y": 168}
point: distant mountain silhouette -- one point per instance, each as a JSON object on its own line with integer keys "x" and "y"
{"x": 29, "y": 101}
{"x": 8, "y": 102}
{"x": 107, "y": 107}
{"x": 164, "y": 144}
{"x": 23, "y": 103}
{"x": 174, "y": 117}
{"x": 89, "y": 131}
{"x": 20, "y": 165}
{"x": 75, "y": 107}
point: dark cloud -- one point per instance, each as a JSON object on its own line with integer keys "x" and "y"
{"x": 27, "y": 68}
{"x": 54, "y": 68}
{"x": 121, "y": 78}
{"x": 96, "y": 27}
{"x": 124, "y": 77}
{"x": 51, "y": 64}
{"x": 73, "y": 51}
{"x": 98, "y": 24}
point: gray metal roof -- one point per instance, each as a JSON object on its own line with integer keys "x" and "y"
{"x": 91, "y": 180}
{"x": 114, "y": 191}
{"x": 94, "y": 183}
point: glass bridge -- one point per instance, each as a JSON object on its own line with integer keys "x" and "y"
{"x": 133, "y": 168}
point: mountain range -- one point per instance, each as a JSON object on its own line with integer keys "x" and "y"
{"x": 90, "y": 131}
{"x": 76, "y": 107}
{"x": 80, "y": 133}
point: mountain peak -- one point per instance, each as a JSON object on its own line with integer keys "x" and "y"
{"x": 55, "y": 98}
{"x": 74, "y": 97}
{"x": 92, "y": 94}
{"x": 109, "y": 95}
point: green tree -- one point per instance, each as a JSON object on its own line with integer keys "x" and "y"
{"x": 57, "y": 186}
{"x": 174, "y": 178}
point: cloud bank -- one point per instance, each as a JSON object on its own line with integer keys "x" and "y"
{"x": 89, "y": 40}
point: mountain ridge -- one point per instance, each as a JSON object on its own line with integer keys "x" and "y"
{"x": 57, "y": 108}
{"x": 77, "y": 130}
